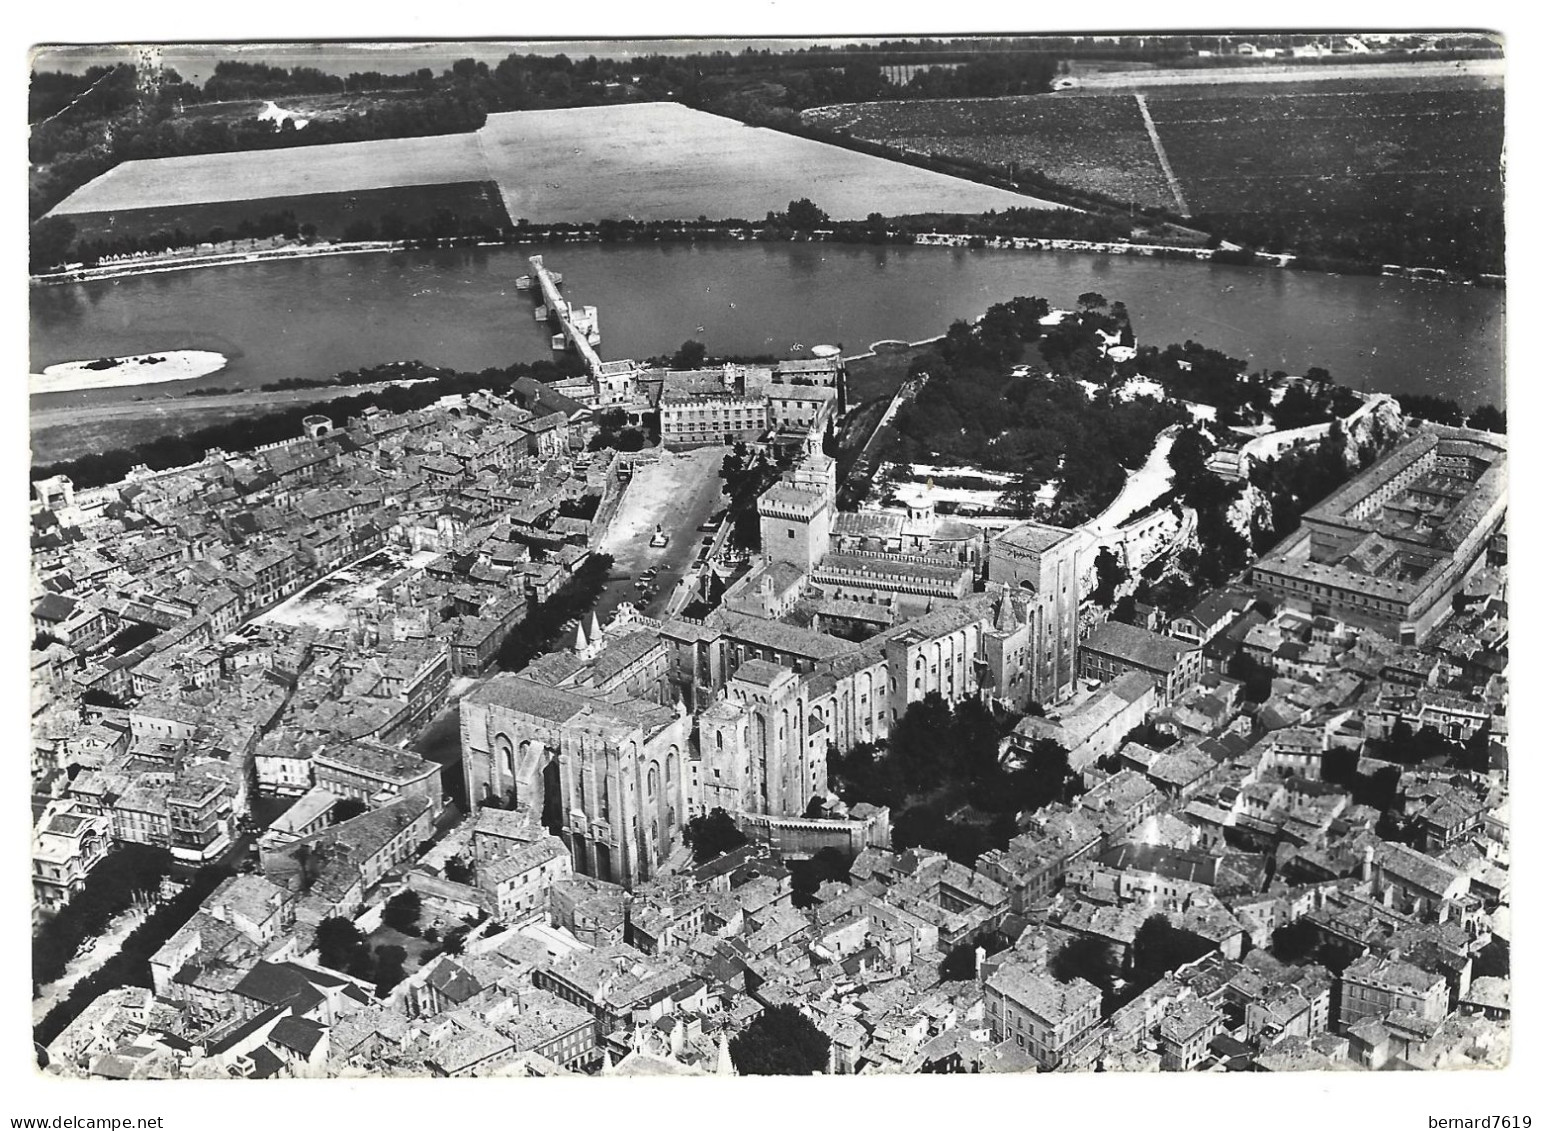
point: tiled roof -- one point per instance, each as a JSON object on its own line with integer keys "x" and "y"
{"x": 1047, "y": 999}
{"x": 1134, "y": 645}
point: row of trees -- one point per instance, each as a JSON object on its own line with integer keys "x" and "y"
{"x": 1031, "y": 223}
{"x": 545, "y": 620}
{"x": 128, "y": 873}
{"x": 1444, "y": 410}
{"x": 53, "y": 238}
{"x": 130, "y": 966}
{"x": 54, "y": 243}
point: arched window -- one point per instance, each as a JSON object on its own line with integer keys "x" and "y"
{"x": 504, "y": 752}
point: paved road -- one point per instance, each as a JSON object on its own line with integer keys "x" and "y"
{"x": 1144, "y": 485}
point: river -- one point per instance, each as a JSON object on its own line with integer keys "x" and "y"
{"x": 458, "y": 308}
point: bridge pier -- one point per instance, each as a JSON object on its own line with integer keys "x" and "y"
{"x": 580, "y": 329}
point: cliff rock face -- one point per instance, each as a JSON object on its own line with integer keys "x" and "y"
{"x": 1380, "y": 424}
{"x": 1375, "y": 428}
{"x": 1250, "y": 511}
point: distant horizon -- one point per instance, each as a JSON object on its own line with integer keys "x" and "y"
{"x": 195, "y": 60}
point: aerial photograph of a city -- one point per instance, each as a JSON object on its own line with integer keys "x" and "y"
{"x": 975, "y": 554}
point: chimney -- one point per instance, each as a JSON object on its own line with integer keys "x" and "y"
{"x": 979, "y": 964}
{"x": 1367, "y": 864}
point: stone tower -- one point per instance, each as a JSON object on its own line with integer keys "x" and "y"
{"x": 798, "y": 513}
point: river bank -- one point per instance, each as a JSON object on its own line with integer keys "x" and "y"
{"x": 181, "y": 261}
{"x": 68, "y": 432}
{"x": 696, "y": 233}
{"x": 459, "y": 309}
{"x": 122, "y": 372}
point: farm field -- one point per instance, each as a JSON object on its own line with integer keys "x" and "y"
{"x": 1094, "y": 143}
{"x": 648, "y": 161}
{"x": 1315, "y": 152}
{"x": 330, "y": 212}
{"x": 166, "y": 182}
{"x": 1394, "y": 169}
{"x": 662, "y": 161}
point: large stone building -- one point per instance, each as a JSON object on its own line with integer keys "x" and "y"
{"x": 617, "y": 768}
{"x": 796, "y": 400}
{"x": 1046, "y": 1018}
{"x": 1391, "y": 548}
{"x": 1040, "y": 568}
{"x": 375, "y": 773}
{"x": 852, "y": 691}
{"x": 69, "y": 841}
{"x": 798, "y": 513}
{"x": 1113, "y": 648}
{"x": 713, "y": 406}
{"x": 760, "y": 696}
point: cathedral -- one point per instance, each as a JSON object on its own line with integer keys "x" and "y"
{"x": 618, "y": 743}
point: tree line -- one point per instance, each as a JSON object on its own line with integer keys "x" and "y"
{"x": 1465, "y": 238}
{"x": 54, "y": 238}
{"x": 1445, "y": 410}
